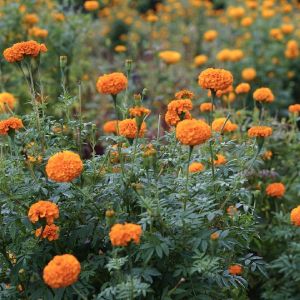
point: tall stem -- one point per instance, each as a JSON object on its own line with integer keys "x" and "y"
{"x": 187, "y": 178}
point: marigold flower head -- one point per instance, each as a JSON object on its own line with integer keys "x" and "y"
{"x": 246, "y": 22}
{"x": 120, "y": 48}
{"x": 184, "y": 94}
{"x": 38, "y": 32}
{"x": 196, "y": 167}
{"x": 231, "y": 210}
{"x": 243, "y": 88}
{"x": 267, "y": 155}
{"x": 139, "y": 111}
{"x": 31, "y": 19}
{"x": 192, "y": 132}
{"x": 294, "y": 109}
{"x": 7, "y": 99}
{"x": 295, "y": 216}
{"x": 287, "y": 28}
{"x": 180, "y": 106}
{"x": 11, "y": 123}
{"x": 260, "y": 131}
{"x": 206, "y": 107}
{"x": 43, "y": 209}
{"x": 172, "y": 118}
{"x": 215, "y": 79}
{"x": 64, "y": 166}
{"x": 50, "y": 232}
{"x": 113, "y": 83}
{"x": 62, "y": 271}
{"x": 220, "y": 124}
{"x": 59, "y": 17}
{"x": 221, "y": 160}
{"x": 200, "y": 60}
{"x": 276, "y": 190}
{"x": 170, "y": 57}
{"x": 210, "y": 35}
{"x": 110, "y": 127}
{"x": 249, "y": 74}
{"x": 23, "y": 49}
{"x": 263, "y": 95}
{"x": 129, "y": 128}
{"x": 235, "y": 270}
{"x": 292, "y": 49}
{"x": 214, "y": 236}
{"x": 91, "y": 5}
{"x": 123, "y": 234}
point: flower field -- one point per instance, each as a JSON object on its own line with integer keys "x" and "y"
{"x": 150, "y": 149}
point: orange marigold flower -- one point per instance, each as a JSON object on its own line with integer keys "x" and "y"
{"x": 235, "y": 270}
{"x": 200, "y": 60}
{"x": 249, "y": 74}
{"x": 129, "y": 129}
{"x": 192, "y": 132}
{"x": 206, "y": 107}
{"x": 180, "y": 106}
{"x": 31, "y": 19}
{"x": 64, "y": 166}
{"x": 260, "y": 131}
{"x": 243, "y": 88}
{"x": 123, "y": 234}
{"x": 295, "y": 216}
{"x": 215, "y": 79}
{"x": 49, "y": 232}
{"x": 210, "y": 35}
{"x": 231, "y": 210}
{"x": 38, "y": 32}
{"x": 221, "y": 160}
{"x": 295, "y": 108}
{"x": 20, "y": 50}
{"x": 184, "y": 94}
{"x": 172, "y": 118}
{"x": 120, "y": 48}
{"x": 292, "y": 49}
{"x": 267, "y": 155}
{"x": 113, "y": 83}
{"x": 62, "y": 271}
{"x": 196, "y": 167}
{"x": 276, "y": 190}
{"x": 139, "y": 111}
{"x": 170, "y": 57}
{"x": 7, "y": 99}
{"x": 91, "y": 5}
{"x": 110, "y": 126}
{"x": 11, "y": 123}
{"x": 263, "y": 95}
{"x": 214, "y": 236}
{"x": 220, "y": 124}
{"x": 43, "y": 209}
{"x": 59, "y": 17}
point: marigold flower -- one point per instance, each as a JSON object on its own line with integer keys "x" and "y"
{"x": 139, "y": 111}
{"x": 292, "y": 49}
{"x": 276, "y": 190}
{"x": 59, "y": 17}
{"x": 214, "y": 236}
{"x": 224, "y": 55}
{"x": 235, "y": 270}
{"x": 215, "y": 79}
{"x": 172, "y": 118}
{"x": 20, "y": 50}
{"x": 64, "y": 166}
{"x": 129, "y": 129}
{"x": 7, "y": 99}
{"x": 91, "y": 5}
{"x": 249, "y": 74}
{"x": 220, "y": 124}
{"x": 11, "y": 123}
{"x": 62, "y": 271}
{"x": 267, "y": 155}
{"x": 260, "y": 131}
{"x": 120, "y": 48}
{"x": 113, "y": 83}
{"x": 243, "y": 88}
{"x": 196, "y": 167}
{"x": 38, "y": 32}
{"x": 184, "y": 94}
{"x": 123, "y": 234}
{"x": 43, "y": 209}
{"x": 295, "y": 108}
{"x": 192, "y": 132}
{"x": 170, "y": 57}
{"x": 49, "y": 232}
{"x": 263, "y": 95}
{"x": 110, "y": 127}
{"x": 221, "y": 160}
{"x": 210, "y": 35}
{"x": 295, "y": 216}
{"x": 200, "y": 60}
{"x": 287, "y": 28}
{"x": 31, "y": 19}
{"x": 206, "y": 107}
{"x": 247, "y": 21}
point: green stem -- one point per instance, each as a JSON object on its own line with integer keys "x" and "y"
{"x": 187, "y": 178}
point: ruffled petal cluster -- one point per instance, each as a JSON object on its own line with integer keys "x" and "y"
{"x": 123, "y": 234}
